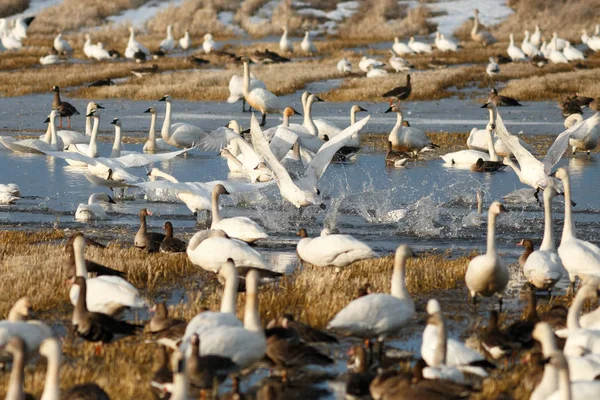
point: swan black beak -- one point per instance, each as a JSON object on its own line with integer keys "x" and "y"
{"x": 110, "y": 200}
{"x": 388, "y": 110}
{"x": 148, "y": 110}
{"x": 114, "y": 121}
{"x": 91, "y": 114}
{"x": 296, "y": 112}
{"x": 362, "y": 109}
{"x": 318, "y": 98}
{"x": 503, "y": 209}
{"x": 485, "y": 105}
{"x": 47, "y": 121}
{"x": 164, "y": 98}
{"x": 99, "y": 106}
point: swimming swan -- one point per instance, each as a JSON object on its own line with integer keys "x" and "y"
{"x": 408, "y": 139}
{"x": 258, "y": 98}
{"x": 180, "y": 134}
{"x": 332, "y": 250}
{"x": 153, "y": 145}
{"x": 93, "y": 210}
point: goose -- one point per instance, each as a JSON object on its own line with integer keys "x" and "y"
{"x": 32, "y": 332}
{"x": 307, "y": 45}
{"x": 10, "y": 43}
{"x": 487, "y": 274}
{"x": 145, "y": 71}
{"x": 104, "y": 294}
{"x": 572, "y": 53}
{"x": 378, "y": 314}
{"x": 167, "y": 45}
{"x": 303, "y": 331}
{"x": 93, "y": 211}
{"x": 529, "y": 48}
{"x": 50, "y": 59}
{"x": 410, "y": 139}
{"x": 332, "y": 250}
{"x": 133, "y": 46}
{"x": 444, "y": 44}
{"x": 181, "y": 135}
{"x": 419, "y": 47}
{"x": 580, "y": 258}
{"x": 557, "y": 43}
{"x": 539, "y": 60}
{"x": 258, "y": 98}
{"x": 515, "y": 53}
{"x": 365, "y": 61}
{"x": 398, "y": 63}
{"x": 171, "y": 244}
{"x": 374, "y": 72}
{"x": 481, "y": 35}
{"x": 475, "y": 218}
{"x": 242, "y": 228}
{"x": 185, "y": 42}
{"x": 285, "y": 44}
{"x": 357, "y": 384}
{"x": 210, "y": 249}
{"x": 99, "y": 53}
{"x": 536, "y": 37}
{"x": 344, "y": 65}
{"x": 543, "y": 268}
{"x": 329, "y": 129}
{"x": 61, "y": 45}
{"x": 584, "y": 36}
{"x": 492, "y": 68}
{"x": 209, "y": 44}
{"x": 394, "y": 158}
{"x": 206, "y": 371}
{"x": 486, "y": 166}
{"x": 161, "y": 326}
{"x": 88, "y": 47}
{"x": 302, "y": 192}
{"x": 457, "y": 353}
{"x": 153, "y": 145}
{"x": 401, "y": 48}
{"x": 585, "y": 135}
{"x": 557, "y": 56}
{"x": 527, "y": 245}
{"x": 400, "y": 92}
{"x": 236, "y": 89}
{"x": 567, "y": 388}
{"x": 500, "y": 100}
{"x": 65, "y": 109}
{"x": 51, "y": 350}
{"x": 149, "y": 241}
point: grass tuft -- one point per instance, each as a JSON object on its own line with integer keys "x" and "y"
{"x": 11, "y": 7}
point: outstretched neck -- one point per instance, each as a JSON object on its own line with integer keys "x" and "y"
{"x": 569, "y": 225}
{"x": 246, "y": 81}
{"x": 116, "y": 149}
{"x": 548, "y": 240}
{"x": 230, "y": 294}
{"x": 165, "y": 131}
{"x": 491, "y": 233}
{"x": 152, "y": 133}
{"x": 93, "y": 148}
{"x": 52, "y": 383}
{"x": 397, "y": 129}
{"x": 216, "y": 214}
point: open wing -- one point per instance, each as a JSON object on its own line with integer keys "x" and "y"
{"x": 322, "y": 159}
{"x": 585, "y": 127}
{"x": 249, "y": 158}
{"x": 523, "y": 156}
{"x": 202, "y": 188}
{"x": 282, "y": 142}
{"x": 141, "y": 160}
{"x": 558, "y": 148}
{"x": 217, "y": 139}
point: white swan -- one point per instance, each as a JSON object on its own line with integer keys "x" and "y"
{"x": 88, "y": 47}
{"x": 185, "y": 42}
{"x": 580, "y": 340}
{"x": 307, "y": 45}
{"x": 401, "y": 48}
{"x": 99, "y": 53}
{"x": 379, "y": 315}
{"x": 332, "y": 250}
{"x": 572, "y": 53}
{"x": 153, "y": 145}
{"x": 585, "y": 136}
{"x": 344, "y": 65}
{"x": 50, "y": 59}
{"x": 210, "y": 249}
{"x": 105, "y": 294}
{"x": 93, "y": 210}
{"x": 196, "y": 202}
{"x": 89, "y": 148}
{"x": 306, "y": 134}
{"x": 10, "y": 43}
{"x": 419, "y": 47}
{"x": 557, "y": 56}
{"x": 557, "y": 43}
{"x": 536, "y": 37}
{"x": 365, "y": 62}
{"x": 209, "y": 44}
{"x": 236, "y": 88}
{"x": 9, "y": 193}
{"x": 133, "y": 46}
{"x": 168, "y": 44}
{"x": 487, "y": 274}
{"x": 116, "y": 149}
{"x": 569, "y": 389}
{"x": 32, "y": 332}
{"x": 444, "y": 44}
{"x": 49, "y": 142}
{"x": 408, "y": 139}
{"x": 242, "y": 228}
{"x": 475, "y": 218}
{"x": 331, "y": 130}
{"x": 258, "y": 98}
{"x": 303, "y": 191}
{"x": 543, "y": 268}
{"x": 398, "y": 63}
{"x": 529, "y": 48}
{"x": 285, "y": 44}
{"x": 61, "y": 45}
{"x": 180, "y": 134}
{"x": 308, "y": 125}
{"x": 580, "y": 258}
{"x": 515, "y": 53}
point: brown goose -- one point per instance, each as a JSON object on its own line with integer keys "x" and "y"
{"x": 197, "y": 60}
{"x": 493, "y": 341}
{"x": 499, "y": 100}
{"x": 520, "y": 332}
{"x": 480, "y": 34}
{"x": 143, "y": 71}
{"x": 527, "y": 250}
{"x": 93, "y": 268}
{"x": 149, "y": 241}
{"x": 400, "y": 92}
{"x": 306, "y": 332}
{"x": 570, "y": 106}
{"x": 487, "y": 166}
{"x": 357, "y": 384}
{"x": 16, "y": 347}
{"x": 86, "y": 391}
{"x": 97, "y": 327}
{"x": 164, "y": 327}
{"x": 395, "y": 158}
{"x": 65, "y": 109}
{"x": 171, "y": 244}
{"x": 583, "y": 101}
{"x": 163, "y": 377}
{"x": 203, "y": 371}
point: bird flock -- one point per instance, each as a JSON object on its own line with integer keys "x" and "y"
{"x": 197, "y": 356}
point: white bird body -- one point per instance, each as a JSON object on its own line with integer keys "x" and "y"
{"x": 61, "y": 45}
{"x": 259, "y": 98}
{"x": 557, "y": 43}
{"x": 419, "y": 47}
{"x": 465, "y": 157}
{"x": 333, "y": 250}
{"x": 398, "y": 63}
{"x": 401, "y": 48}
{"x": 9, "y": 193}
{"x": 185, "y": 42}
{"x": 572, "y": 53}
{"x": 478, "y": 140}
{"x": 408, "y": 138}
{"x": 50, "y": 141}
{"x": 88, "y": 47}
{"x": 444, "y": 44}
{"x": 536, "y": 37}
{"x": 50, "y": 59}
{"x": 585, "y": 136}
{"x": 180, "y": 134}
{"x": 93, "y": 210}
{"x": 33, "y": 333}
{"x": 374, "y": 72}
{"x": 307, "y": 45}
{"x": 285, "y": 44}
{"x": 99, "y": 53}
{"x": 209, "y": 44}
{"x": 236, "y": 87}
{"x": 10, "y": 43}
{"x": 168, "y": 44}
{"x": 557, "y": 57}
{"x": 492, "y": 68}
{"x": 331, "y": 130}
{"x": 365, "y": 61}
{"x": 515, "y": 53}
{"x": 133, "y": 46}
{"x": 594, "y": 43}
{"x": 529, "y": 48}
{"x": 344, "y": 65}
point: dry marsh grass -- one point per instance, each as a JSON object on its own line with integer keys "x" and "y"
{"x": 11, "y": 7}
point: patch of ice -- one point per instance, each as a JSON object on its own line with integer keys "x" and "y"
{"x": 35, "y": 7}
{"x": 226, "y": 18}
{"x": 139, "y": 16}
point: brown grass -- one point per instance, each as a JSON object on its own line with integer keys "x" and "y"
{"x": 198, "y": 16}
{"x": 11, "y": 7}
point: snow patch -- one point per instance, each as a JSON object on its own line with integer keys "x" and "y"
{"x": 139, "y": 16}
{"x": 226, "y": 18}
{"x": 35, "y": 7}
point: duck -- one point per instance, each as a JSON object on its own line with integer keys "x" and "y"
{"x": 210, "y": 249}
{"x": 527, "y": 245}
{"x": 394, "y": 158}
{"x": 133, "y": 46}
{"x": 93, "y": 211}
{"x": 171, "y": 244}
{"x": 475, "y": 218}
{"x": 285, "y": 44}
{"x": 400, "y": 92}
{"x": 543, "y": 268}
{"x": 572, "y": 53}
{"x": 365, "y": 61}
{"x": 557, "y": 56}
{"x": 185, "y": 42}
{"x": 529, "y": 48}
{"x": 167, "y": 45}
{"x": 242, "y": 228}
{"x": 332, "y": 250}
{"x": 398, "y": 63}
{"x": 487, "y": 274}
{"x": 106, "y": 294}
{"x": 307, "y": 46}
{"x": 61, "y": 45}
{"x": 492, "y": 68}
{"x": 419, "y": 47}
{"x": 444, "y": 44}
{"x": 153, "y": 145}
{"x": 379, "y": 315}
{"x": 479, "y": 34}
{"x": 487, "y": 166}
{"x": 401, "y": 48}
{"x": 579, "y": 257}
{"x": 258, "y": 98}
{"x": 149, "y": 241}
{"x": 236, "y": 89}
{"x": 180, "y": 134}
{"x": 374, "y": 72}
{"x": 209, "y": 44}
{"x": 515, "y": 53}
{"x": 145, "y": 71}
{"x": 344, "y": 65}
{"x": 409, "y": 139}
{"x": 65, "y": 109}
{"x": 500, "y": 100}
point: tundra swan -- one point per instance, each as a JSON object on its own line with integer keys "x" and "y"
{"x": 330, "y": 130}
{"x": 50, "y": 142}
{"x": 209, "y": 44}
{"x": 236, "y": 89}
{"x": 374, "y": 72}
{"x": 365, "y": 61}
{"x": 408, "y": 139}
{"x": 153, "y": 145}
{"x": 133, "y": 46}
{"x": 258, "y": 98}
{"x": 61, "y": 45}
{"x": 93, "y": 210}
{"x": 285, "y": 44}
{"x": 475, "y": 218}
{"x": 581, "y": 341}
{"x": 585, "y": 136}
{"x": 492, "y": 68}
{"x": 332, "y": 250}
{"x": 180, "y": 134}
{"x": 572, "y": 53}
{"x": 444, "y": 44}
{"x": 529, "y": 48}
{"x": 307, "y": 45}
{"x": 398, "y": 63}
{"x": 536, "y": 37}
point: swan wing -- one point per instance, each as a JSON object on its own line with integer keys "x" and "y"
{"x": 322, "y": 159}
{"x": 217, "y": 139}
{"x": 248, "y": 155}
{"x": 262, "y": 148}
{"x": 558, "y": 148}
{"x": 282, "y": 142}
{"x": 524, "y": 157}
{"x": 140, "y": 160}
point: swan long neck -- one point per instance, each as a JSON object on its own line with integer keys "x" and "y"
{"x": 397, "y": 129}
{"x": 564, "y": 383}
{"x": 491, "y": 148}
{"x": 80, "y": 266}
{"x": 88, "y": 120}
{"x": 152, "y": 132}
{"x": 548, "y": 240}
{"x": 52, "y": 382}
{"x": 569, "y": 224}
{"x": 398, "y": 278}
{"x": 441, "y": 347}
{"x": 308, "y": 121}
{"x": 48, "y": 136}
{"x": 230, "y": 293}
{"x": 93, "y": 148}
{"x": 216, "y": 214}
{"x": 246, "y": 81}
{"x": 491, "y": 233}
{"x": 195, "y": 241}
{"x": 116, "y": 149}
{"x": 575, "y": 311}
{"x": 53, "y": 137}
{"x": 15, "y": 383}
{"x": 165, "y": 131}
{"x": 286, "y": 120}
{"x": 251, "y": 313}
{"x": 352, "y": 116}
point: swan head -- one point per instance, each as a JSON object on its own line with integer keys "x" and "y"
{"x": 302, "y": 233}
{"x": 497, "y": 208}
{"x": 94, "y": 112}
{"x": 289, "y": 111}
{"x": 433, "y": 306}
{"x": 219, "y": 189}
{"x": 476, "y": 11}
{"x": 21, "y": 310}
{"x": 208, "y": 36}
{"x": 404, "y": 251}
{"x": 562, "y": 173}
{"x": 116, "y": 122}
{"x": 393, "y": 108}
{"x": 356, "y": 108}
{"x": 167, "y": 98}
{"x": 53, "y": 114}
{"x": 396, "y": 39}
{"x": 151, "y": 110}
{"x": 234, "y": 126}
{"x": 131, "y": 29}
{"x": 50, "y": 348}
